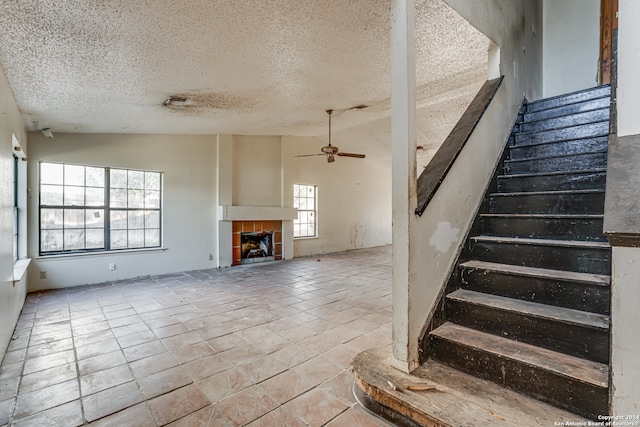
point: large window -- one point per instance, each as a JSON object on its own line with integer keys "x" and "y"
{"x": 87, "y": 208}
{"x": 305, "y": 198}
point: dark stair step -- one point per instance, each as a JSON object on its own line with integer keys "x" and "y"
{"x": 591, "y": 130}
{"x": 565, "y": 121}
{"x": 570, "y": 98}
{"x": 568, "y": 162}
{"x": 569, "y": 255}
{"x": 579, "y": 291}
{"x": 577, "y": 333}
{"x": 579, "y": 107}
{"x": 560, "y": 227}
{"x": 569, "y": 202}
{"x": 547, "y": 149}
{"x": 576, "y": 385}
{"x": 550, "y": 181}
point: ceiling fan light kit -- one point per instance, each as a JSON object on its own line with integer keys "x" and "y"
{"x": 331, "y": 150}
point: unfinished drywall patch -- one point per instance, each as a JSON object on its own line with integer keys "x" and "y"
{"x": 444, "y": 236}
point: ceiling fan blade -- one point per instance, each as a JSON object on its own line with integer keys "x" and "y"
{"x": 357, "y": 156}
{"x": 310, "y": 155}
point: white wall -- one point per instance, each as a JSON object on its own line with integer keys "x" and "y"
{"x": 188, "y": 163}
{"x": 625, "y": 304}
{"x": 571, "y": 44}
{"x": 354, "y": 200}
{"x": 11, "y": 295}
{"x": 256, "y": 170}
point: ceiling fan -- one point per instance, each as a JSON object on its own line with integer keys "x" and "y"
{"x": 331, "y": 150}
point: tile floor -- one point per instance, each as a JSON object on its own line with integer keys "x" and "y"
{"x": 261, "y": 345}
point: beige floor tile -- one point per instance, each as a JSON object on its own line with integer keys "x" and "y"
{"x": 177, "y": 404}
{"x": 45, "y": 398}
{"x": 110, "y": 401}
{"x": 357, "y": 417}
{"x": 151, "y": 365}
{"x": 68, "y": 415}
{"x": 163, "y": 382}
{"x": 247, "y": 405}
{"x": 315, "y": 407}
{"x": 101, "y": 362}
{"x": 287, "y": 385}
{"x": 226, "y": 383}
{"x": 277, "y": 417}
{"x": 102, "y": 380}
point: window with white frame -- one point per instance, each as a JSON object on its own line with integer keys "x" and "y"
{"x": 16, "y": 211}
{"x": 305, "y": 199}
{"x": 88, "y": 208}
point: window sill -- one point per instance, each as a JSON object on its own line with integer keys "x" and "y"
{"x": 20, "y": 269}
{"x": 101, "y": 253}
{"x": 306, "y": 238}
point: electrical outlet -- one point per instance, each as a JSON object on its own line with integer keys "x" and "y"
{"x": 210, "y": 257}
{"x": 112, "y": 266}
{"x": 43, "y": 274}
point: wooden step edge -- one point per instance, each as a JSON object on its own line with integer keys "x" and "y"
{"x": 560, "y": 156}
{"x": 606, "y": 98}
{"x": 553, "y": 173}
{"x": 533, "y": 132}
{"x": 542, "y": 273}
{"x": 540, "y": 216}
{"x": 575, "y": 113}
{"x": 542, "y": 242}
{"x": 602, "y": 91}
{"x": 583, "y": 370}
{"x": 458, "y": 399}
{"x": 532, "y": 309}
{"x": 548, "y": 193}
{"x": 605, "y": 133}
{"x": 596, "y": 138}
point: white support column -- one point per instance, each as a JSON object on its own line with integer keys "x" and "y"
{"x": 404, "y": 178}
{"x": 286, "y": 194}
{"x": 224, "y": 198}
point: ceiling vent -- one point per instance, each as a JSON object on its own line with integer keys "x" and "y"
{"x": 176, "y": 101}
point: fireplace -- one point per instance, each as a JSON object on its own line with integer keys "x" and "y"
{"x": 256, "y": 241}
{"x": 256, "y": 247}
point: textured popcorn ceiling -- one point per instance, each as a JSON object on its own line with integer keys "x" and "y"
{"x": 247, "y": 66}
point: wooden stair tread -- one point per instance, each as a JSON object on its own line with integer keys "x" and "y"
{"x": 542, "y": 216}
{"x": 582, "y": 370}
{"x": 541, "y": 174}
{"x": 549, "y": 312}
{"x": 459, "y": 399}
{"x": 557, "y": 156}
{"x": 543, "y": 242}
{"x": 532, "y": 132}
{"x": 543, "y": 193}
{"x": 544, "y": 273}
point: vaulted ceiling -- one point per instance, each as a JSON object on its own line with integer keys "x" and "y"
{"x": 267, "y": 67}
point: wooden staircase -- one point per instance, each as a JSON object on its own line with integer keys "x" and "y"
{"x": 528, "y": 307}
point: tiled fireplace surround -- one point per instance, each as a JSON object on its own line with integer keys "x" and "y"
{"x": 240, "y": 227}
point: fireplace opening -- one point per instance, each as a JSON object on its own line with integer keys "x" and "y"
{"x": 256, "y": 247}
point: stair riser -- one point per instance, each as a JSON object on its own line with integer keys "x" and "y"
{"x": 589, "y": 229}
{"x": 555, "y": 182}
{"x": 586, "y": 260}
{"x": 568, "y": 109}
{"x": 576, "y": 146}
{"x": 578, "y": 296}
{"x": 584, "y": 399}
{"x": 569, "y": 99}
{"x": 575, "y": 340}
{"x": 578, "y": 204}
{"x": 592, "y": 130}
{"x": 565, "y": 121}
{"x": 575, "y": 162}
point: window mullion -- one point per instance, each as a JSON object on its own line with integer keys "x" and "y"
{"x": 107, "y": 209}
